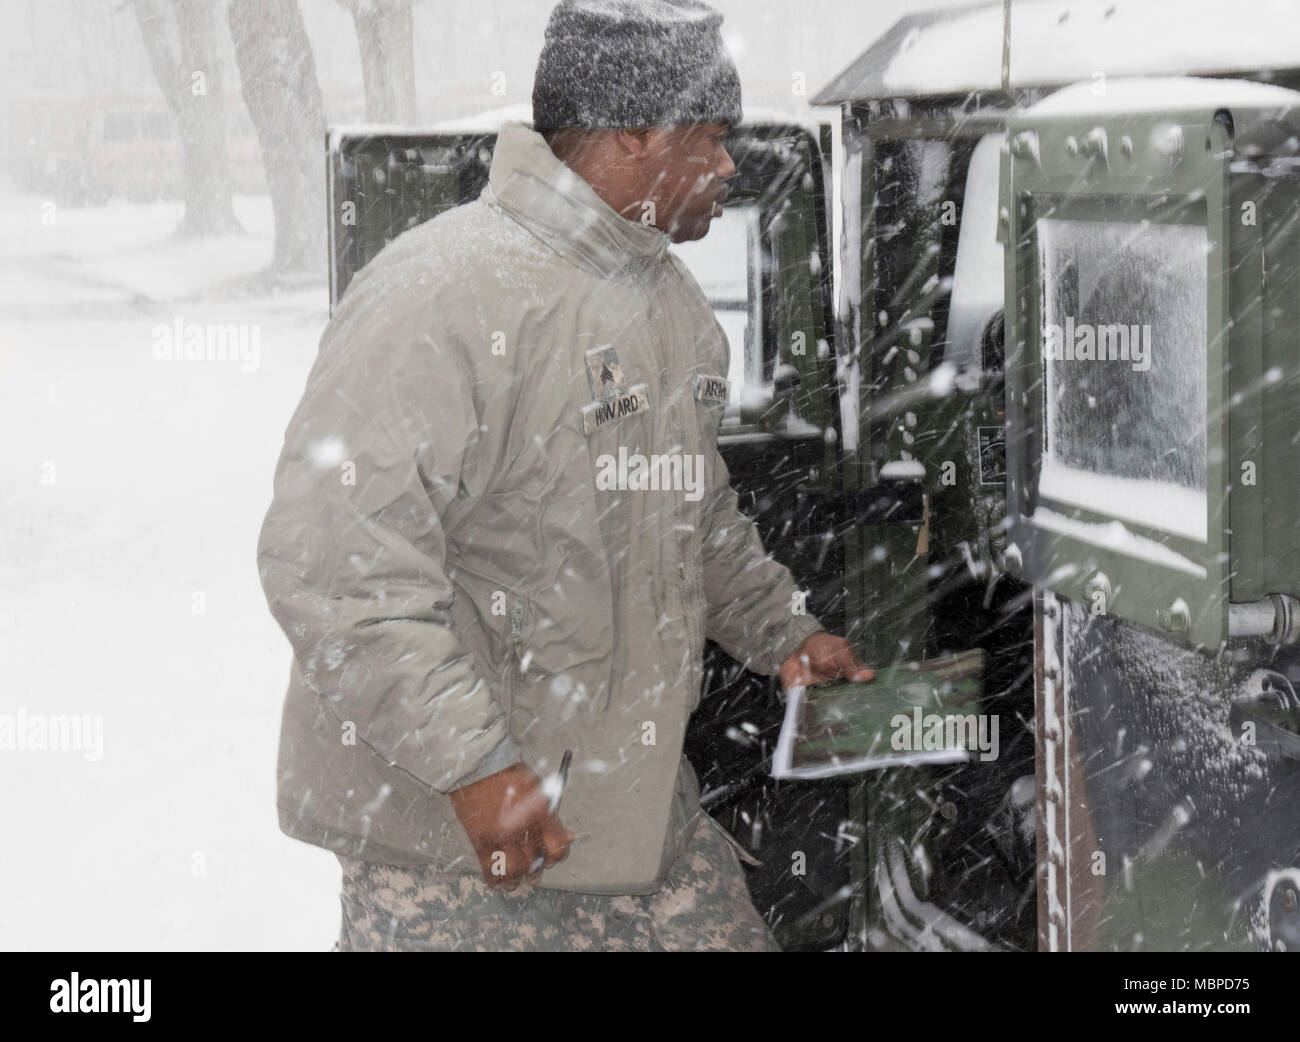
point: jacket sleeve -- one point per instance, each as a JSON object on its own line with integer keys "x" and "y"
{"x": 751, "y": 597}
{"x": 352, "y": 555}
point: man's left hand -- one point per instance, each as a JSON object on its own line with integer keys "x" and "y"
{"x": 820, "y": 658}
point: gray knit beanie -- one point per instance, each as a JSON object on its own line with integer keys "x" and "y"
{"x": 634, "y": 63}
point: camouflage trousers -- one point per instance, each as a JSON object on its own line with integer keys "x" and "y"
{"x": 703, "y": 906}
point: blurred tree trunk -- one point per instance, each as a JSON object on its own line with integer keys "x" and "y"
{"x": 180, "y": 37}
{"x": 384, "y": 29}
{"x": 278, "y": 77}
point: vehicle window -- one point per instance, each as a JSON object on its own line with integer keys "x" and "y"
{"x": 914, "y": 243}
{"x": 727, "y": 263}
{"x": 978, "y": 282}
{"x": 1121, "y": 430}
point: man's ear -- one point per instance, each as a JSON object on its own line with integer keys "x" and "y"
{"x": 634, "y": 142}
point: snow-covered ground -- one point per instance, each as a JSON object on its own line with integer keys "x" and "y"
{"x": 131, "y": 493}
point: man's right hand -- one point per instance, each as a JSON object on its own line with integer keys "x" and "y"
{"x": 509, "y": 822}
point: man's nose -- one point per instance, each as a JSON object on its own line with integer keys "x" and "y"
{"x": 726, "y": 169}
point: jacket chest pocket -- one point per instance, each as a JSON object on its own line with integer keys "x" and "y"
{"x": 618, "y": 433}
{"x": 621, "y": 396}
{"x": 618, "y": 420}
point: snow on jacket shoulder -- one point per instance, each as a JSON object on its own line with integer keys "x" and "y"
{"x": 501, "y": 529}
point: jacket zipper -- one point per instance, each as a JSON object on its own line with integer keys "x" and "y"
{"x": 690, "y": 579}
{"x": 513, "y": 655}
{"x": 516, "y": 623}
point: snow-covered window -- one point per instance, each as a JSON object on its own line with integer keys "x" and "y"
{"x": 1124, "y": 347}
{"x": 727, "y": 263}
{"x": 978, "y": 279}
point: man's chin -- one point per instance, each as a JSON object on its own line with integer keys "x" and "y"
{"x": 692, "y": 230}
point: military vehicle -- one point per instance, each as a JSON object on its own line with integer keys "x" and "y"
{"x": 1036, "y": 403}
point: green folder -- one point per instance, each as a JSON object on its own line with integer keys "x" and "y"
{"x": 915, "y": 713}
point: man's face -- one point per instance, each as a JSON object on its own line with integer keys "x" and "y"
{"x": 686, "y": 175}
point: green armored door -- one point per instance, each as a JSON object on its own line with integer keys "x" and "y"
{"x": 943, "y": 855}
{"x": 1151, "y": 395}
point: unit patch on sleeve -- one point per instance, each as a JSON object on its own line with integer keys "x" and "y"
{"x": 712, "y": 388}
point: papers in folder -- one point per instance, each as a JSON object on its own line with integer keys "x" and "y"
{"x": 915, "y": 713}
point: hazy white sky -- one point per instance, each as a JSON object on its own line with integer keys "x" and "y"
{"x": 470, "y": 54}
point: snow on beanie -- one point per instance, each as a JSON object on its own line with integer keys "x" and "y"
{"x": 634, "y": 63}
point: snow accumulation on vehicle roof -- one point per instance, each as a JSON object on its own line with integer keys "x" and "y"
{"x": 490, "y": 121}
{"x": 336, "y": 132}
{"x": 1165, "y": 93}
{"x": 1054, "y": 42}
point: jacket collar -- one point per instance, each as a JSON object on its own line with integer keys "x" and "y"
{"x": 530, "y": 184}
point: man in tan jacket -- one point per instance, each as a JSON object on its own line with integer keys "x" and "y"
{"x": 498, "y": 631}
